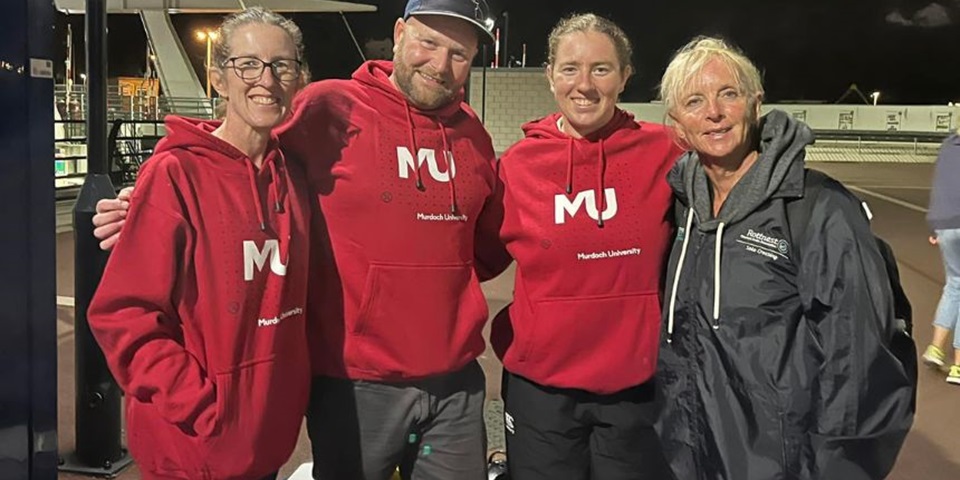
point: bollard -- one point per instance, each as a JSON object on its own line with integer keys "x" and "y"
{"x": 98, "y": 449}
{"x": 98, "y": 403}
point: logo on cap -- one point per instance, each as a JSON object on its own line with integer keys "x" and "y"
{"x": 478, "y": 11}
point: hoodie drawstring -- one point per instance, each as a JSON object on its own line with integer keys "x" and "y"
{"x": 278, "y": 185}
{"x": 413, "y": 149}
{"x": 279, "y": 193}
{"x": 449, "y": 161}
{"x": 676, "y": 276}
{"x": 252, "y": 175}
{"x": 601, "y": 170}
{"x": 450, "y": 168}
{"x": 716, "y": 277}
{"x": 282, "y": 204}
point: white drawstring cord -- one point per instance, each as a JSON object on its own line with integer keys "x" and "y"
{"x": 716, "y": 278}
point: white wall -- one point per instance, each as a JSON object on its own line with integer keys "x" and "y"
{"x": 514, "y": 96}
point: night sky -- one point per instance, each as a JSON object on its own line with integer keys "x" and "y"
{"x": 807, "y": 50}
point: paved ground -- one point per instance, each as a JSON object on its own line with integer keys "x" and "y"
{"x": 897, "y": 195}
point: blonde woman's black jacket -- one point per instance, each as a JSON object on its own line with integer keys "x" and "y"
{"x": 775, "y": 370}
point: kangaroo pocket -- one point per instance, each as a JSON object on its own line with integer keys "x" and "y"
{"x": 603, "y": 344}
{"x": 418, "y": 321}
{"x": 160, "y": 447}
{"x": 260, "y": 406}
{"x": 153, "y": 442}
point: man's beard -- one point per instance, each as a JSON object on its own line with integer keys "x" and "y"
{"x": 421, "y": 97}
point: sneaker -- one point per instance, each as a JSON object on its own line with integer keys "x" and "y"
{"x": 954, "y": 375}
{"x": 934, "y": 356}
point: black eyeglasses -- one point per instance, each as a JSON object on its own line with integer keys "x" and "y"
{"x": 251, "y": 68}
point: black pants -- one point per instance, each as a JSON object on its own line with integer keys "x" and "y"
{"x": 564, "y": 434}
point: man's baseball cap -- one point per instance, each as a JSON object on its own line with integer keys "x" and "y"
{"x": 476, "y": 12}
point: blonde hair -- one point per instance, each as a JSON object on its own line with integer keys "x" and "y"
{"x": 689, "y": 60}
{"x": 589, "y": 22}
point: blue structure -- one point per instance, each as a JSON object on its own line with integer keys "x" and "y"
{"x": 28, "y": 345}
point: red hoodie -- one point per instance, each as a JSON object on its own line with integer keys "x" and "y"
{"x": 399, "y": 264}
{"x": 200, "y": 312}
{"x": 586, "y": 306}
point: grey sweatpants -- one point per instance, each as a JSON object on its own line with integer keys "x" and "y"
{"x": 433, "y": 428}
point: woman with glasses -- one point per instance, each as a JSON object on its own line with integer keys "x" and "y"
{"x": 201, "y": 310}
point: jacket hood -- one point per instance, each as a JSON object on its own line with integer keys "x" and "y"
{"x": 778, "y": 172}
{"x": 376, "y": 74}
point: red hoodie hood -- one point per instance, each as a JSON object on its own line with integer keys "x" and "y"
{"x": 551, "y": 141}
{"x": 196, "y": 136}
{"x": 547, "y": 128}
{"x": 376, "y": 74}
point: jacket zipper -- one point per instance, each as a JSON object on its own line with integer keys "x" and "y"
{"x": 783, "y": 445}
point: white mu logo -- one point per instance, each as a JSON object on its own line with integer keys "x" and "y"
{"x": 254, "y": 258}
{"x": 406, "y": 163}
{"x": 564, "y": 206}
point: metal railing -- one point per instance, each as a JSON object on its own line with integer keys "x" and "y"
{"x": 871, "y": 141}
{"x": 72, "y": 105}
{"x": 137, "y": 125}
{"x": 130, "y": 143}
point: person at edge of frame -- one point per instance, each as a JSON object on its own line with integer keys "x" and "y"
{"x": 201, "y": 309}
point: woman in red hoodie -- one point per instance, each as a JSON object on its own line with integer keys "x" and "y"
{"x": 200, "y": 312}
{"x": 586, "y": 219}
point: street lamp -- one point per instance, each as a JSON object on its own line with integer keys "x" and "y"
{"x": 209, "y": 36}
{"x": 875, "y": 96}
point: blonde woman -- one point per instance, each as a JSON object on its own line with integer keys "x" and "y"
{"x": 773, "y": 367}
